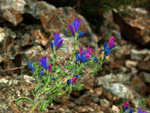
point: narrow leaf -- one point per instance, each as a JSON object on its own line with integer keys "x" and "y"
{"x": 38, "y": 86}
{"x": 24, "y": 98}
{"x": 43, "y": 104}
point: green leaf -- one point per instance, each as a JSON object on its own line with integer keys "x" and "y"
{"x": 33, "y": 93}
{"x": 24, "y": 98}
{"x": 44, "y": 78}
{"x": 43, "y": 104}
{"x": 49, "y": 100}
{"x": 38, "y": 86}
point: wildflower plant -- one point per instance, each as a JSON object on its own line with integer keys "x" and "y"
{"x": 125, "y": 108}
{"x": 53, "y": 80}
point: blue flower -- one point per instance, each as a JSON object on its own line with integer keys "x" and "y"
{"x": 43, "y": 62}
{"x": 77, "y": 57}
{"x": 80, "y": 34}
{"x": 41, "y": 71}
{"x": 130, "y": 111}
{"x": 107, "y": 50}
{"x": 94, "y": 58}
{"x": 105, "y": 44}
{"x": 53, "y": 78}
{"x": 76, "y": 23}
{"x": 31, "y": 66}
{"x": 76, "y": 76}
{"x": 51, "y": 43}
{"x": 83, "y": 55}
{"x": 69, "y": 81}
{"x": 57, "y": 41}
{"x": 56, "y": 38}
{"x": 125, "y": 108}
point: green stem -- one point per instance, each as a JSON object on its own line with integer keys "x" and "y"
{"x": 34, "y": 106}
{"x": 72, "y": 57}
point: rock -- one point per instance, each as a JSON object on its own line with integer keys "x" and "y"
{"x": 83, "y": 109}
{"x": 135, "y": 25}
{"x": 98, "y": 91}
{"x": 148, "y": 101}
{"x": 144, "y": 65}
{"x": 145, "y": 76}
{"x": 33, "y": 54}
{"x": 40, "y": 37}
{"x": 109, "y": 83}
{"x": 139, "y": 54}
{"x": 95, "y": 98}
{"x": 29, "y": 79}
{"x": 124, "y": 78}
{"x": 115, "y": 109}
{"x": 130, "y": 63}
{"x": 104, "y": 104}
{"x": 12, "y": 10}
{"x": 138, "y": 85}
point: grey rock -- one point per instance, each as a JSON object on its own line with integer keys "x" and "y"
{"x": 139, "y": 54}
{"x": 145, "y": 76}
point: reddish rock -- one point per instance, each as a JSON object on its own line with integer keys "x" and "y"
{"x": 138, "y": 85}
{"x": 135, "y": 25}
{"x": 12, "y": 10}
{"x": 40, "y": 37}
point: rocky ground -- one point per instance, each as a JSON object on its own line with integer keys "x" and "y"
{"x": 26, "y": 28}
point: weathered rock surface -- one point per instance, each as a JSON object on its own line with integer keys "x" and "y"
{"x": 135, "y": 25}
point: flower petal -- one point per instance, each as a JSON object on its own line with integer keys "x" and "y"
{"x": 31, "y": 66}
{"x": 71, "y": 29}
{"x": 59, "y": 44}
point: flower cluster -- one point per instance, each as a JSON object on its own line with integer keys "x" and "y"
{"x": 73, "y": 80}
{"x": 75, "y": 26}
{"x": 126, "y": 107}
{"x": 50, "y": 77}
{"x": 108, "y": 46}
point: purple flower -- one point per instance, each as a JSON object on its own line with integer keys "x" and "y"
{"x": 125, "y": 104}
{"x": 31, "y": 66}
{"x": 81, "y": 50}
{"x": 56, "y": 38}
{"x": 111, "y": 42}
{"x": 80, "y": 34}
{"x": 49, "y": 67}
{"x": 43, "y": 62}
{"x": 53, "y": 78}
{"x": 83, "y": 55}
{"x": 140, "y": 110}
{"x": 41, "y": 71}
{"x": 76, "y": 23}
{"x": 71, "y": 29}
{"x": 57, "y": 41}
{"x": 59, "y": 44}
{"x": 88, "y": 52}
